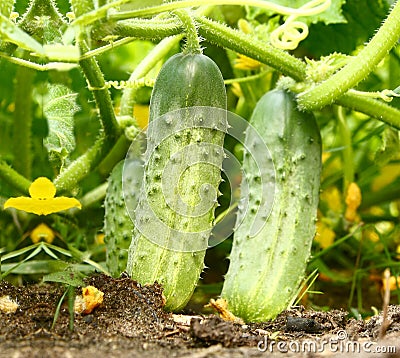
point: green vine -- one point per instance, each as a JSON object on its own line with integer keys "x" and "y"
{"x": 348, "y": 156}
{"x": 13, "y": 178}
{"x": 192, "y": 38}
{"x": 102, "y": 97}
{"x": 358, "y": 68}
{"x": 81, "y": 167}
{"x": 152, "y": 29}
{"x": 244, "y": 44}
{"x": 23, "y": 121}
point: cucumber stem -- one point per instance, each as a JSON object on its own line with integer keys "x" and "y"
{"x": 348, "y": 156}
{"x": 13, "y": 178}
{"x": 192, "y": 38}
{"x": 102, "y": 97}
{"x": 357, "y": 69}
{"x": 80, "y": 167}
{"x": 151, "y": 29}
{"x": 23, "y": 121}
{"x": 372, "y": 107}
{"x": 244, "y": 44}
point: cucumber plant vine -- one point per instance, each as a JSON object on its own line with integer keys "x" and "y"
{"x": 53, "y": 43}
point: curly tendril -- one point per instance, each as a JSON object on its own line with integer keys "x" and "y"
{"x": 291, "y": 32}
{"x": 141, "y": 82}
{"x": 386, "y": 95}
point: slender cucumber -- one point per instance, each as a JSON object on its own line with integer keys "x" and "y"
{"x": 267, "y": 268}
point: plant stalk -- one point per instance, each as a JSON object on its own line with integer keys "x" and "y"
{"x": 192, "y": 38}
{"x": 101, "y": 94}
{"x": 82, "y": 166}
{"x": 358, "y": 68}
{"x": 23, "y": 121}
{"x": 149, "y": 29}
{"x": 222, "y": 35}
{"x": 13, "y": 178}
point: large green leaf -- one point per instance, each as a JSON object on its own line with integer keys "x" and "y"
{"x": 59, "y": 109}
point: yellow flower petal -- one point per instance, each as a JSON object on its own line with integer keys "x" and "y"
{"x": 246, "y": 63}
{"x": 42, "y": 232}
{"x": 42, "y": 201}
{"x": 325, "y": 235}
{"x": 42, "y": 206}
{"x": 42, "y": 188}
{"x": 353, "y": 201}
{"x": 23, "y": 203}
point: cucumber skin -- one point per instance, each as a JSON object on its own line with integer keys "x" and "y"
{"x": 185, "y": 80}
{"x": 118, "y": 226}
{"x": 266, "y": 270}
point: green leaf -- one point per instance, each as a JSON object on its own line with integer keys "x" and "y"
{"x": 59, "y": 109}
{"x": 6, "y": 7}
{"x": 10, "y": 32}
{"x": 390, "y": 147}
{"x": 68, "y": 277}
{"x": 333, "y": 15}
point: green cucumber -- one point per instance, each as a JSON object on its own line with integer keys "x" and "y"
{"x": 118, "y": 226}
{"x": 171, "y": 234}
{"x": 266, "y": 269}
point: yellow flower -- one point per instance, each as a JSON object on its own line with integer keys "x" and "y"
{"x": 353, "y": 201}
{"x": 246, "y": 63}
{"x": 325, "y": 235}
{"x": 42, "y": 200}
{"x": 42, "y": 232}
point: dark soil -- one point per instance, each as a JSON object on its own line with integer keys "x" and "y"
{"x": 131, "y": 323}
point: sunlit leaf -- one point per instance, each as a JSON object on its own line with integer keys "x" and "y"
{"x": 390, "y": 148}
{"x": 59, "y": 107}
{"x": 6, "y": 7}
{"x": 10, "y": 32}
{"x": 69, "y": 277}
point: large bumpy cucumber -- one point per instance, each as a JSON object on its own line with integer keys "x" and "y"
{"x": 182, "y": 171}
{"x": 266, "y": 269}
{"x": 118, "y": 226}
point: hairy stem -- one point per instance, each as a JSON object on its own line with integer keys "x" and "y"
{"x": 13, "y": 178}
{"x": 244, "y": 44}
{"x": 372, "y": 107}
{"x": 192, "y": 38}
{"x": 149, "y": 29}
{"x": 357, "y": 68}
{"x": 101, "y": 94}
{"x": 82, "y": 166}
{"x": 23, "y": 121}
